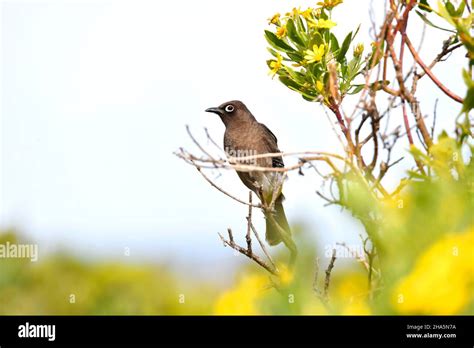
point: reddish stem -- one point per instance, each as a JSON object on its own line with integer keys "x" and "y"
{"x": 407, "y": 124}
{"x": 335, "y": 109}
{"x": 428, "y": 72}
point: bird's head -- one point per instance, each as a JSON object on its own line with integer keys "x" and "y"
{"x": 232, "y": 112}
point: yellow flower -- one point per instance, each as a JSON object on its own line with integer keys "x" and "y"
{"x": 242, "y": 300}
{"x": 351, "y": 295}
{"x": 358, "y": 50}
{"x": 358, "y": 307}
{"x": 316, "y": 54}
{"x": 308, "y": 13}
{"x": 276, "y": 65}
{"x": 321, "y": 23}
{"x": 329, "y": 4}
{"x": 275, "y": 19}
{"x": 319, "y": 86}
{"x": 442, "y": 279}
{"x": 296, "y": 11}
{"x": 285, "y": 275}
{"x": 281, "y": 32}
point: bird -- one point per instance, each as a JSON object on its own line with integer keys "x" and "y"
{"x": 245, "y": 136}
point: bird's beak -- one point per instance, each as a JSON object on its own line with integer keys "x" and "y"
{"x": 215, "y": 111}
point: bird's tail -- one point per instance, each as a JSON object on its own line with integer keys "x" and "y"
{"x": 273, "y": 234}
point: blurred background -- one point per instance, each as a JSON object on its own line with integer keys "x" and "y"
{"x": 95, "y": 96}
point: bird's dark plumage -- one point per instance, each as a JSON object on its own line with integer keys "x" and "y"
{"x": 245, "y": 136}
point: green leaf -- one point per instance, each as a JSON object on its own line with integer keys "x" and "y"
{"x": 334, "y": 43}
{"x": 293, "y": 33}
{"x": 316, "y": 70}
{"x": 323, "y": 14}
{"x": 317, "y": 39}
{"x": 445, "y": 14}
{"x": 423, "y": 5}
{"x": 431, "y": 24}
{"x": 310, "y": 99}
{"x": 294, "y": 86}
{"x": 296, "y": 76}
{"x": 277, "y": 43}
{"x": 468, "y": 103}
{"x": 273, "y": 52}
{"x": 353, "y": 68}
{"x": 344, "y": 69}
{"x": 416, "y": 175}
{"x": 355, "y": 89}
{"x": 460, "y": 9}
{"x": 300, "y": 26}
{"x": 295, "y": 56}
{"x": 450, "y": 8}
{"x": 356, "y": 32}
{"x": 418, "y": 154}
{"x": 345, "y": 46}
{"x": 467, "y": 78}
{"x": 289, "y": 82}
{"x": 269, "y": 61}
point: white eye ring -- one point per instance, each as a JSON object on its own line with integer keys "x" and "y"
{"x": 229, "y": 108}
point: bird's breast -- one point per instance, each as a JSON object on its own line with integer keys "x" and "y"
{"x": 242, "y": 142}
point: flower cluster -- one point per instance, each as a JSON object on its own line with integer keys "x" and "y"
{"x": 243, "y": 299}
{"x": 303, "y": 47}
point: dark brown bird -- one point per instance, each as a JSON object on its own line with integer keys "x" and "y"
{"x": 245, "y": 136}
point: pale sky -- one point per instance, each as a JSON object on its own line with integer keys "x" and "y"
{"x": 95, "y": 99}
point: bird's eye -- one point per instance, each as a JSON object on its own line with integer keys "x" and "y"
{"x": 229, "y": 108}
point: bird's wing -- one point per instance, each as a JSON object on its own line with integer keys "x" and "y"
{"x": 272, "y": 146}
{"x": 270, "y": 133}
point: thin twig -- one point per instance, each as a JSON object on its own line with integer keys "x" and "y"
{"x": 211, "y": 140}
{"x": 188, "y": 130}
{"x": 428, "y": 71}
{"x": 245, "y": 252}
{"x": 434, "y": 117}
{"x": 328, "y": 274}
{"x": 262, "y": 245}
{"x": 249, "y": 223}
{"x": 324, "y": 294}
{"x": 222, "y": 190}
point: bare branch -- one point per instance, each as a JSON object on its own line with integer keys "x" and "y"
{"x": 323, "y": 295}
{"x": 327, "y": 279}
{"x": 249, "y": 223}
{"x": 262, "y": 245}
{"x": 427, "y": 70}
{"x": 245, "y": 252}
{"x": 222, "y": 190}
